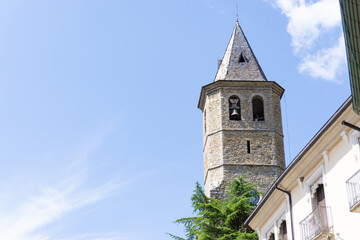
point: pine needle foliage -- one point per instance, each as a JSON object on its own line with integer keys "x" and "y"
{"x": 222, "y": 220}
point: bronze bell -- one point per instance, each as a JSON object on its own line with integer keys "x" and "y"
{"x": 234, "y": 112}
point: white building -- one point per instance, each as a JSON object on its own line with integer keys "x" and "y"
{"x": 318, "y": 195}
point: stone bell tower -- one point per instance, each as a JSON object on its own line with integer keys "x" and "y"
{"x": 242, "y": 122}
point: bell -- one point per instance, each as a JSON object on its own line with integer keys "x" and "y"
{"x": 234, "y": 112}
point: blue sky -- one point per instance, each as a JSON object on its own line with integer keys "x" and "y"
{"x": 100, "y": 135}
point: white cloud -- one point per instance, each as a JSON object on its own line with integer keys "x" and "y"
{"x": 69, "y": 191}
{"x": 309, "y": 23}
{"x": 325, "y": 63}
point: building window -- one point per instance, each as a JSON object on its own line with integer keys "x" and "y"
{"x": 258, "y": 109}
{"x": 248, "y": 146}
{"x": 205, "y": 121}
{"x": 272, "y": 236}
{"x": 319, "y": 205}
{"x": 353, "y": 190}
{"x": 319, "y": 221}
{"x": 318, "y": 195}
{"x": 283, "y": 231}
{"x": 234, "y": 108}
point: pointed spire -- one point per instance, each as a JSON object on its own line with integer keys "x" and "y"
{"x": 239, "y": 61}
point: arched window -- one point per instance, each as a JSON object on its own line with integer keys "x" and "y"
{"x": 234, "y": 108}
{"x": 258, "y": 109}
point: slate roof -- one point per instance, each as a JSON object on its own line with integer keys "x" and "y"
{"x": 239, "y": 61}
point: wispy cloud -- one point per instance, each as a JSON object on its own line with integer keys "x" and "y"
{"x": 49, "y": 203}
{"x": 312, "y": 25}
{"x": 107, "y": 236}
{"x": 208, "y": 3}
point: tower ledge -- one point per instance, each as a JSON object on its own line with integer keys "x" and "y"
{"x": 242, "y": 84}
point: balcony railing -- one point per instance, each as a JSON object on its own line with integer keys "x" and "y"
{"x": 317, "y": 224}
{"x": 353, "y": 190}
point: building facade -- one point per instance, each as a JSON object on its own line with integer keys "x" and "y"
{"x": 318, "y": 195}
{"x": 241, "y": 121}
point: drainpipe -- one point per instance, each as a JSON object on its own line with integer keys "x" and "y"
{"x": 291, "y": 215}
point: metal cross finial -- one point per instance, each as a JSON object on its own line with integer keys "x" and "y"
{"x": 237, "y": 11}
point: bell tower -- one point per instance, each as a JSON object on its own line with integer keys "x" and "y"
{"x": 242, "y": 122}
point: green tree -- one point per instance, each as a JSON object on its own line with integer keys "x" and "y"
{"x": 223, "y": 220}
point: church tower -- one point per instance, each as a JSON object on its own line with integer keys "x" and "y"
{"x": 242, "y": 122}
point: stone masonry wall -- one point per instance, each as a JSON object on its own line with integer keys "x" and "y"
{"x": 262, "y": 147}
{"x": 262, "y": 175}
{"x": 225, "y": 141}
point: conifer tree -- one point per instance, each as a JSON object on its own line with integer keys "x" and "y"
{"x": 223, "y": 220}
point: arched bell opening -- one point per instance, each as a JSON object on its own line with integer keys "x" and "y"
{"x": 258, "y": 109}
{"x": 234, "y": 108}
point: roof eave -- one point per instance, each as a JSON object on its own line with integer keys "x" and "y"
{"x": 298, "y": 158}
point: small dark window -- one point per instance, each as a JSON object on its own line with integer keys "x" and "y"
{"x": 272, "y": 236}
{"x": 258, "y": 109}
{"x": 234, "y": 108}
{"x": 248, "y": 146}
{"x": 319, "y": 197}
{"x": 283, "y": 231}
{"x": 242, "y": 59}
{"x": 205, "y": 120}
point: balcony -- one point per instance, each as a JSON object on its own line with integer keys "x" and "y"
{"x": 353, "y": 190}
{"x": 317, "y": 225}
